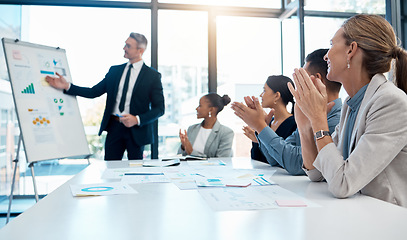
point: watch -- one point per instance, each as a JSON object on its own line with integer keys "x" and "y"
{"x": 321, "y": 134}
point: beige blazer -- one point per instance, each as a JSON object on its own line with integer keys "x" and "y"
{"x": 377, "y": 165}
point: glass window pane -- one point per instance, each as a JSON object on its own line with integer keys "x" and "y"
{"x": 239, "y": 3}
{"x": 360, "y": 6}
{"x": 291, "y": 46}
{"x": 183, "y": 63}
{"x": 316, "y": 38}
{"x": 248, "y": 51}
{"x": 10, "y": 26}
{"x": 93, "y": 39}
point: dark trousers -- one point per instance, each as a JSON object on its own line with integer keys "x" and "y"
{"x": 118, "y": 140}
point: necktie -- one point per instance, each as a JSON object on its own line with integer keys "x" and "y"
{"x": 125, "y": 87}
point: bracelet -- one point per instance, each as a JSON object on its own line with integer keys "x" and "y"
{"x": 321, "y": 134}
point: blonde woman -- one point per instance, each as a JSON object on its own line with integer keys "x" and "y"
{"x": 368, "y": 151}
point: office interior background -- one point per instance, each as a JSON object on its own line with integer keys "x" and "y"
{"x": 199, "y": 46}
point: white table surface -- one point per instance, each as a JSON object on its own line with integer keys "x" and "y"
{"x": 162, "y": 211}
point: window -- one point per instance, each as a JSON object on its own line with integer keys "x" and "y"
{"x": 291, "y": 46}
{"x": 183, "y": 63}
{"x": 316, "y": 38}
{"x": 93, "y": 39}
{"x": 248, "y": 51}
{"x": 360, "y": 6}
{"x": 10, "y": 26}
{"x": 239, "y": 3}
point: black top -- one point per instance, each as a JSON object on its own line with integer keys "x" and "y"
{"x": 285, "y": 129}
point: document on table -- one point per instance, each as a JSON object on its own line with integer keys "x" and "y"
{"x": 118, "y": 173}
{"x": 214, "y": 162}
{"x": 221, "y": 177}
{"x": 187, "y": 177}
{"x": 251, "y": 198}
{"x": 145, "y": 177}
{"x": 182, "y": 177}
{"x": 101, "y": 189}
{"x": 136, "y": 175}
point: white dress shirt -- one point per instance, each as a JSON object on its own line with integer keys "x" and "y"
{"x": 135, "y": 71}
{"x": 200, "y": 141}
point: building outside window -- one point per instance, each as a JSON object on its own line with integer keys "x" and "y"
{"x": 183, "y": 63}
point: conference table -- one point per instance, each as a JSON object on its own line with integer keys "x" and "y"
{"x": 163, "y": 211}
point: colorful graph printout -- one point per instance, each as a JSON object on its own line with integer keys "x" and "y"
{"x": 101, "y": 189}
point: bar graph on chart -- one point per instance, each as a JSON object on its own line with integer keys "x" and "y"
{"x": 29, "y": 89}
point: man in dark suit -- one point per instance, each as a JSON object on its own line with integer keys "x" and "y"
{"x": 134, "y": 101}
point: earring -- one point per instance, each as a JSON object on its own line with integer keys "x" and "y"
{"x": 348, "y": 63}
{"x": 210, "y": 114}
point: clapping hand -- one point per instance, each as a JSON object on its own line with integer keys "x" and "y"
{"x": 249, "y": 132}
{"x": 252, "y": 115}
{"x": 185, "y": 143}
{"x": 310, "y": 95}
{"x": 267, "y": 116}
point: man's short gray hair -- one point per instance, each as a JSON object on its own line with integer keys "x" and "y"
{"x": 140, "y": 38}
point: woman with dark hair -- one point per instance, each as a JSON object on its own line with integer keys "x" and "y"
{"x": 367, "y": 153}
{"x": 208, "y": 138}
{"x": 275, "y": 95}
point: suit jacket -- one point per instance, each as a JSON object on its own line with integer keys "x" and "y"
{"x": 377, "y": 163}
{"x": 147, "y": 99}
{"x": 219, "y": 143}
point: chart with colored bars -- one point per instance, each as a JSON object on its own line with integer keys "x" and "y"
{"x": 41, "y": 121}
{"x": 29, "y": 89}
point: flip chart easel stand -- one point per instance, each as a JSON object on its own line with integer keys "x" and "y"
{"x": 14, "y": 179}
{"x": 28, "y": 64}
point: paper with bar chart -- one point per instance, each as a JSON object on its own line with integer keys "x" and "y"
{"x": 50, "y": 120}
